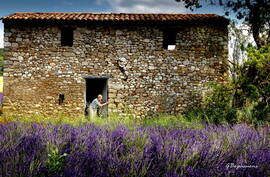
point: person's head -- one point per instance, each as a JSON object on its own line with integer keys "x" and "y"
{"x": 99, "y": 97}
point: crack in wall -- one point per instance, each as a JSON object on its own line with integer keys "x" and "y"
{"x": 122, "y": 70}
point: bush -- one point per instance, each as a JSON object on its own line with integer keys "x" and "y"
{"x": 253, "y": 83}
{"x": 55, "y": 162}
{"x": 244, "y": 99}
{"x": 217, "y": 106}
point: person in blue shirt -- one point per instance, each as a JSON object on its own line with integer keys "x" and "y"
{"x": 95, "y": 104}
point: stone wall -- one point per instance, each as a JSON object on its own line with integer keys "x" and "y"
{"x": 144, "y": 77}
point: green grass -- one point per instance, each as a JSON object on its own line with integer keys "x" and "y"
{"x": 112, "y": 121}
{"x": 171, "y": 121}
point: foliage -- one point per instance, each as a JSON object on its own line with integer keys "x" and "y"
{"x": 255, "y": 12}
{"x": 218, "y": 106}
{"x": 243, "y": 99}
{"x": 253, "y": 83}
{"x": 1, "y": 52}
{"x": 55, "y": 162}
{"x": 143, "y": 151}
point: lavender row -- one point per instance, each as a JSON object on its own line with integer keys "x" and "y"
{"x": 89, "y": 150}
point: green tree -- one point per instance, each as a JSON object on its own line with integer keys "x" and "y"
{"x": 253, "y": 83}
{"x": 1, "y": 52}
{"x": 256, "y": 13}
{"x": 249, "y": 91}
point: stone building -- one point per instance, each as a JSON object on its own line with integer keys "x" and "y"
{"x": 146, "y": 63}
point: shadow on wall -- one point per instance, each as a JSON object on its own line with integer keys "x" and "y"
{"x": 173, "y": 104}
{"x": 168, "y": 103}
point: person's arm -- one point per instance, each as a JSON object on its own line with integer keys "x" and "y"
{"x": 100, "y": 105}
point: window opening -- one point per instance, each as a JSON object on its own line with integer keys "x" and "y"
{"x": 67, "y": 37}
{"x": 169, "y": 39}
{"x": 61, "y": 99}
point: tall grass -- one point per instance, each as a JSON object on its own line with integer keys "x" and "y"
{"x": 113, "y": 120}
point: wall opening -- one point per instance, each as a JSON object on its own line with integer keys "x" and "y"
{"x": 67, "y": 36}
{"x": 169, "y": 39}
{"x": 94, "y": 87}
{"x": 61, "y": 99}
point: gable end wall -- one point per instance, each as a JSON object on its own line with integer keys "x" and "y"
{"x": 152, "y": 79}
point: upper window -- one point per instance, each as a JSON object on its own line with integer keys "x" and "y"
{"x": 67, "y": 37}
{"x": 169, "y": 39}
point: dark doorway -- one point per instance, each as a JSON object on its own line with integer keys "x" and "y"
{"x": 94, "y": 87}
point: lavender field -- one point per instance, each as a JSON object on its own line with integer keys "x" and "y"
{"x": 30, "y": 149}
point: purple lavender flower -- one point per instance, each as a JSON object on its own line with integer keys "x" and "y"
{"x": 143, "y": 151}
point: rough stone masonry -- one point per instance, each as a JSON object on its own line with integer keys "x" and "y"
{"x": 143, "y": 76}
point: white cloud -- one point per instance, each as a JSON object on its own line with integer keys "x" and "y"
{"x": 146, "y": 6}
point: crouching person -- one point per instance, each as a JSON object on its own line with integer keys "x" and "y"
{"x": 96, "y": 103}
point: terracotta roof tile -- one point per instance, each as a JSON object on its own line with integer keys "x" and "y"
{"x": 111, "y": 16}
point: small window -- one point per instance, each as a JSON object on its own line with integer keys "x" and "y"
{"x": 67, "y": 37}
{"x": 61, "y": 99}
{"x": 169, "y": 39}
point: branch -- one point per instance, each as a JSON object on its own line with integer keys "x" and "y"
{"x": 248, "y": 4}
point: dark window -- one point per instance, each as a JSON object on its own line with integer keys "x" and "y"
{"x": 67, "y": 37}
{"x": 61, "y": 99}
{"x": 169, "y": 38}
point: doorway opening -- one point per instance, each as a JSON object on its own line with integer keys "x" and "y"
{"x": 94, "y": 87}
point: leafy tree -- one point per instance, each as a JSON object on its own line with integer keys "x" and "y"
{"x": 1, "y": 52}
{"x": 250, "y": 85}
{"x": 254, "y": 12}
{"x": 253, "y": 83}
{"x": 249, "y": 90}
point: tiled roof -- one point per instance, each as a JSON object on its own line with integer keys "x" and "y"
{"x": 111, "y": 17}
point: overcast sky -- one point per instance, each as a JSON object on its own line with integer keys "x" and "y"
{"x": 147, "y": 6}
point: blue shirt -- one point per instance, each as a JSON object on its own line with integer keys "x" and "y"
{"x": 94, "y": 103}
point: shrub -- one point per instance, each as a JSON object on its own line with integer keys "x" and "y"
{"x": 217, "y": 106}
{"x": 55, "y": 162}
{"x": 244, "y": 99}
{"x": 254, "y": 82}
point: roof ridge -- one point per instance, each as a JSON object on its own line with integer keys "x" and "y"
{"x": 112, "y": 16}
{"x": 136, "y": 13}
